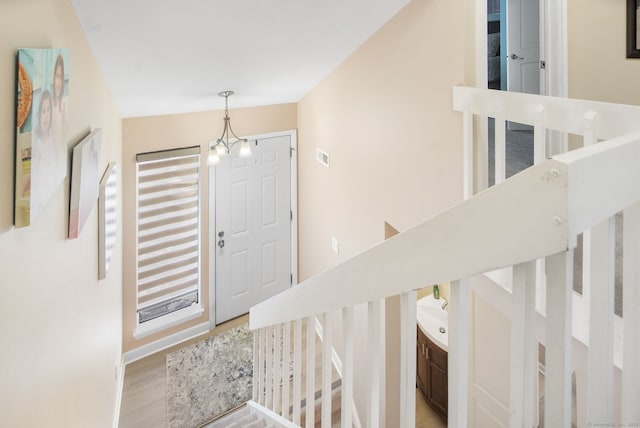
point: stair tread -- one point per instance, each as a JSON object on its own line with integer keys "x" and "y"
{"x": 244, "y": 421}
{"x": 258, "y": 423}
{"x": 228, "y": 419}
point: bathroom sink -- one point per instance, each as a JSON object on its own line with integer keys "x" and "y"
{"x": 433, "y": 320}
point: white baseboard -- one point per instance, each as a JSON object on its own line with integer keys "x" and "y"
{"x": 119, "y": 389}
{"x": 165, "y": 342}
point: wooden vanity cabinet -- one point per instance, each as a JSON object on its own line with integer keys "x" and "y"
{"x": 431, "y": 376}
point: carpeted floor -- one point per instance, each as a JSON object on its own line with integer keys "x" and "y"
{"x": 209, "y": 378}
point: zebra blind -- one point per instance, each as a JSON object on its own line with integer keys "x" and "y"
{"x": 168, "y": 231}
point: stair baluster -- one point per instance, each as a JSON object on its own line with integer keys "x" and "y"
{"x": 559, "y": 354}
{"x": 311, "y": 371}
{"x": 297, "y": 370}
{"x": 631, "y": 303}
{"x": 327, "y": 346}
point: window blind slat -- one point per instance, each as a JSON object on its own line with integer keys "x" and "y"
{"x": 177, "y": 239}
{"x": 176, "y": 262}
{"x": 165, "y": 218}
{"x": 160, "y": 238}
{"x": 168, "y": 212}
{"x": 160, "y": 232}
{"x": 168, "y": 281}
{"x": 168, "y": 232}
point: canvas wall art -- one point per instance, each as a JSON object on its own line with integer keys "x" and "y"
{"x": 41, "y": 129}
{"x": 84, "y": 181}
{"x": 107, "y": 218}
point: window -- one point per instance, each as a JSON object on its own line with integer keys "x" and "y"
{"x": 168, "y": 238}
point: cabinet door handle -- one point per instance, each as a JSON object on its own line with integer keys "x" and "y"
{"x": 422, "y": 344}
{"x": 427, "y": 354}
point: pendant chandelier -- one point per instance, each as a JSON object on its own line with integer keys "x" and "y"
{"x": 222, "y": 146}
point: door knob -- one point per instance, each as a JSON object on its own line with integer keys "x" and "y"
{"x": 514, "y": 56}
{"x": 221, "y": 243}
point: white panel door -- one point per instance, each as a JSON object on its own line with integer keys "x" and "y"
{"x": 253, "y": 227}
{"x": 523, "y": 46}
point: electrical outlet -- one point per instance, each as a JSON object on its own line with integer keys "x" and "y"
{"x": 334, "y": 245}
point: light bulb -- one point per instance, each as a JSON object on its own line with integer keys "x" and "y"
{"x": 213, "y": 159}
{"x": 245, "y": 149}
{"x": 221, "y": 150}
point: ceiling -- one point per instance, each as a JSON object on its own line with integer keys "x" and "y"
{"x": 175, "y": 56}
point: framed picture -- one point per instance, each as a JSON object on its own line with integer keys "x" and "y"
{"x": 84, "y": 181}
{"x": 42, "y": 87}
{"x": 633, "y": 30}
{"x": 107, "y": 218}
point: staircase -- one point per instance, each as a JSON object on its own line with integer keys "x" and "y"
{"x": 244, "y": 417}
{"x": 252, "y": 415}
{"x": 525, "y": 227}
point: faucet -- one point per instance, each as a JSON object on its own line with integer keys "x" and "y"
{"x": 444, "y": 305}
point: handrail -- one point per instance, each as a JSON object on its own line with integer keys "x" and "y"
{"x": 550, "y": 202}
{"x": 560, "y": 114}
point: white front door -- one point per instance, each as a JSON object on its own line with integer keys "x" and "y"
{"x": 253, "y": 227}
{"x": 523, "y": 46}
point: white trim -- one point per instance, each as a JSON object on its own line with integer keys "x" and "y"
{"x": 167, "y": 321}
{"x": 120, "y": 367}
{"x": 271, "y": 415}
{"x": 293, "y": 141}
{"x": 556, "y": 53}
{"x": 481, "y": 44}
{"x": 211, "y": 239}
{"x": 294, "y": 206}
{"x": 165, "y": 342}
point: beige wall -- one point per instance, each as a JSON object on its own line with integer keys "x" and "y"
{"x": 149, "y": 134}
{"x": 385, "y": 118}
{"x": 598, "y": 67}
{"x": 61, "y": 328}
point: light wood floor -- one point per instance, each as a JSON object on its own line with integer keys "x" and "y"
{"x": 426, "y": 417}
{"x": 144, "y": 395}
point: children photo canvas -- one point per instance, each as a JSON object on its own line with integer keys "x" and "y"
{"x": 42, "y": 88}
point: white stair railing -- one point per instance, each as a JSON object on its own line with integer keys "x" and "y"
{"x": 594, "y": 122}
{"x": 534, "y": 215}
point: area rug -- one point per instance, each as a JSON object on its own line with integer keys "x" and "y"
{"x": 209, "y": 378}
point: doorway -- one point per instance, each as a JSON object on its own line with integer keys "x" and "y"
{"x": 253, "y": 223}
{"x": 513, "y": 64}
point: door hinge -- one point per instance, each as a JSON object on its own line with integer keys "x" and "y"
{"x": 543, "y": 65}
{"x": 291, "y": 215}
{"x": 291, "y": 276}
{"x": 291, "y": 149}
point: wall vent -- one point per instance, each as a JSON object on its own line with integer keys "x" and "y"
{"x": 322, "y": 157}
